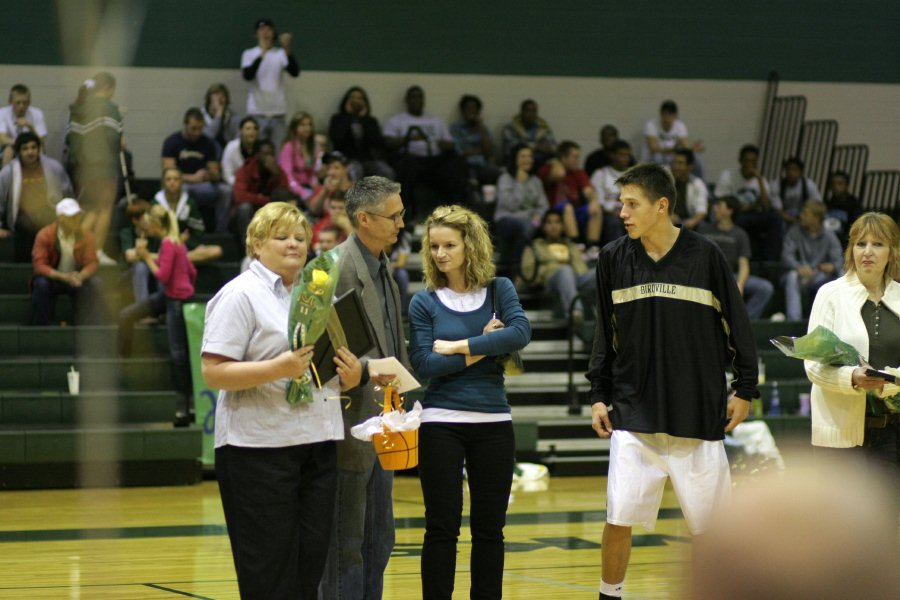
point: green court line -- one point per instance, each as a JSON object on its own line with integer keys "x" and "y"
{"x": 111, "y": 533}
{"x": 179, "y": 592}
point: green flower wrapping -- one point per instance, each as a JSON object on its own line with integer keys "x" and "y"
{"x": 820, "y": 345}
{"x": 311, "y": 308}
{"x": 824, "y": 346}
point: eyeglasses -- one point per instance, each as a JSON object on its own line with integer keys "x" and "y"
{"x": 397, "y": 218}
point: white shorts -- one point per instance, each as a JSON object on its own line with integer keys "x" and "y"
{"x": 639, "y": 464}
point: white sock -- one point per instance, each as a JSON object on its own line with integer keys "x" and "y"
{"x": 611, "y": 589}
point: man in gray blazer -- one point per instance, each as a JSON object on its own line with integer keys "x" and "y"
{"x": 363, "y": 534}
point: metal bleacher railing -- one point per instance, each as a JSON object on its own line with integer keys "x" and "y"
{"x": 785, "y": 133}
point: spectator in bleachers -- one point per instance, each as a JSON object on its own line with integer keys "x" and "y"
{"x": 473, "y": 141}
{"x": 130, "y": 237}
{"x": 301, "y": 158}
{"x": 554, "y": 263}
{"x": 570, "y": 190}
{"x": 735, "y": 245}
{"x": 94, "y": 141}
{"x": 424, "y": 153}
{"x": 194, "y": 155}
{"x": 19, "y": 117}
{"x": 176, "y": 275}
{"x": 691, "y": 205}
{"x": 604, "y": 181}
{"x": 263, "y": 66}
{"x": 64, "y": 261}
{"x": 759, "y": 215}
{"x": 221, "y": 121}
{"x": 793, "y": 190}
{"x": 259, "y": 181}
{"x": 329, "y": 237}
{"x": 664, "y": 135}
{"x": 813, "y": 256}
{"x": 529, "y": 129}
{"x": 238, "y": 150}
{"x": 842, "y": 207}
{"x": 337, "y": 182}
{"x": 357, "y": 134}
{"x": 521, "y": 201}
{"x": 398, "y": 254}
{"x": 30, "y": 187}
{"x": 602, "y": 156}
{"x": 174, "y": 197}
{"x": 335, "y": 214}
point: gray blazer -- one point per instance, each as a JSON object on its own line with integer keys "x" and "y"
{"x": 353, "y": 454}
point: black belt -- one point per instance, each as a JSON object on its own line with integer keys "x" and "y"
{"x": 882, "y": 422}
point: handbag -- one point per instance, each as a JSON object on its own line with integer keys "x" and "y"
{"x": 396, "y": 450}
{"x": 512, "y": 362}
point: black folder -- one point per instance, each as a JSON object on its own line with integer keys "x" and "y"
{"x": 357, "y": 329}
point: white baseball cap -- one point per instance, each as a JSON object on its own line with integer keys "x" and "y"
{"x": 67, "y": 207}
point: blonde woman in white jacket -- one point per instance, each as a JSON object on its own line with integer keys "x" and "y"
{"x": 863, "y": 309}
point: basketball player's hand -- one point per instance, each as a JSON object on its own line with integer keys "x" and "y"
{"x": 600, "y": 420}
{"x": 737, "y": 411}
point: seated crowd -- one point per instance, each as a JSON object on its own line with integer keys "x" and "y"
{"x": 537, "y": 193}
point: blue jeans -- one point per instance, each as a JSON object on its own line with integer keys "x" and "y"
{"x": 271, "y": 128}
{"x": 216, "y": 195}
{"x": 488, "y": 452}
{"x": 794, "y": 289}
{"x": 401, "y": 276}
{"x": 757, "y": 292}
{"x": 362, "y": 535}
{"x": 566, "y": 285}
{"x": 87, "y": 300}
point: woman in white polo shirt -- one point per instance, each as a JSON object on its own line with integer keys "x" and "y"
{"x": 275, "y": 462}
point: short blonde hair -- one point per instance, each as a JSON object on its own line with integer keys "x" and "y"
{"x": 881, "y": 227}
{"x": 270, "y": 219}
{"x": 479, "y": 251}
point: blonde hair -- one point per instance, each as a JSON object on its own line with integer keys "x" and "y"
{"x": 479, "y": 251}
{"x": 162, "y": 217}
{"x": 271, "y": 218}
{"x": 881, "y": 227}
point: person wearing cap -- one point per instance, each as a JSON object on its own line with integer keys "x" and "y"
{"x": 258, "y": 182}
{"x": 337, "y": 181}
{"x": 64, "y": 261}
{"x": 263, "y": 66}
{"x": 30, "y": 187}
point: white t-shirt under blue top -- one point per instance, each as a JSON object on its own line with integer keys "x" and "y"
{"x": 456, "y": 392}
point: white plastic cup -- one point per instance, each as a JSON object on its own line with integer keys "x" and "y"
{"x": 74, "y": 382}
{"x": 489, "y": 193}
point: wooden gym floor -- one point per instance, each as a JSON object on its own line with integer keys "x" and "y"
{"x": 169, "y": 543}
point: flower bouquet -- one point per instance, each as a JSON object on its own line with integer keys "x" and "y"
{"x": 309, "y": 315}
{"x": 824, "y": 346}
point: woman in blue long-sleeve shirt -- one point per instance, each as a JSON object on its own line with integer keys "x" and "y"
{"x": 456, "y": 335}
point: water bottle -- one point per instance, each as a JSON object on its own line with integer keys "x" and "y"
{"x": 774, "y": 401}
{"x": 761, "y": 367}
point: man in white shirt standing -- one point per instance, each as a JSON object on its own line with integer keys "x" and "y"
{"x": 18, "y": 117}
{"x": 263, "y": 67}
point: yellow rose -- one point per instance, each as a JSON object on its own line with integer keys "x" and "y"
{"x": 319, "y": 279}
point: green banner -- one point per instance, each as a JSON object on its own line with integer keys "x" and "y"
{"x": 204, "y": 396}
